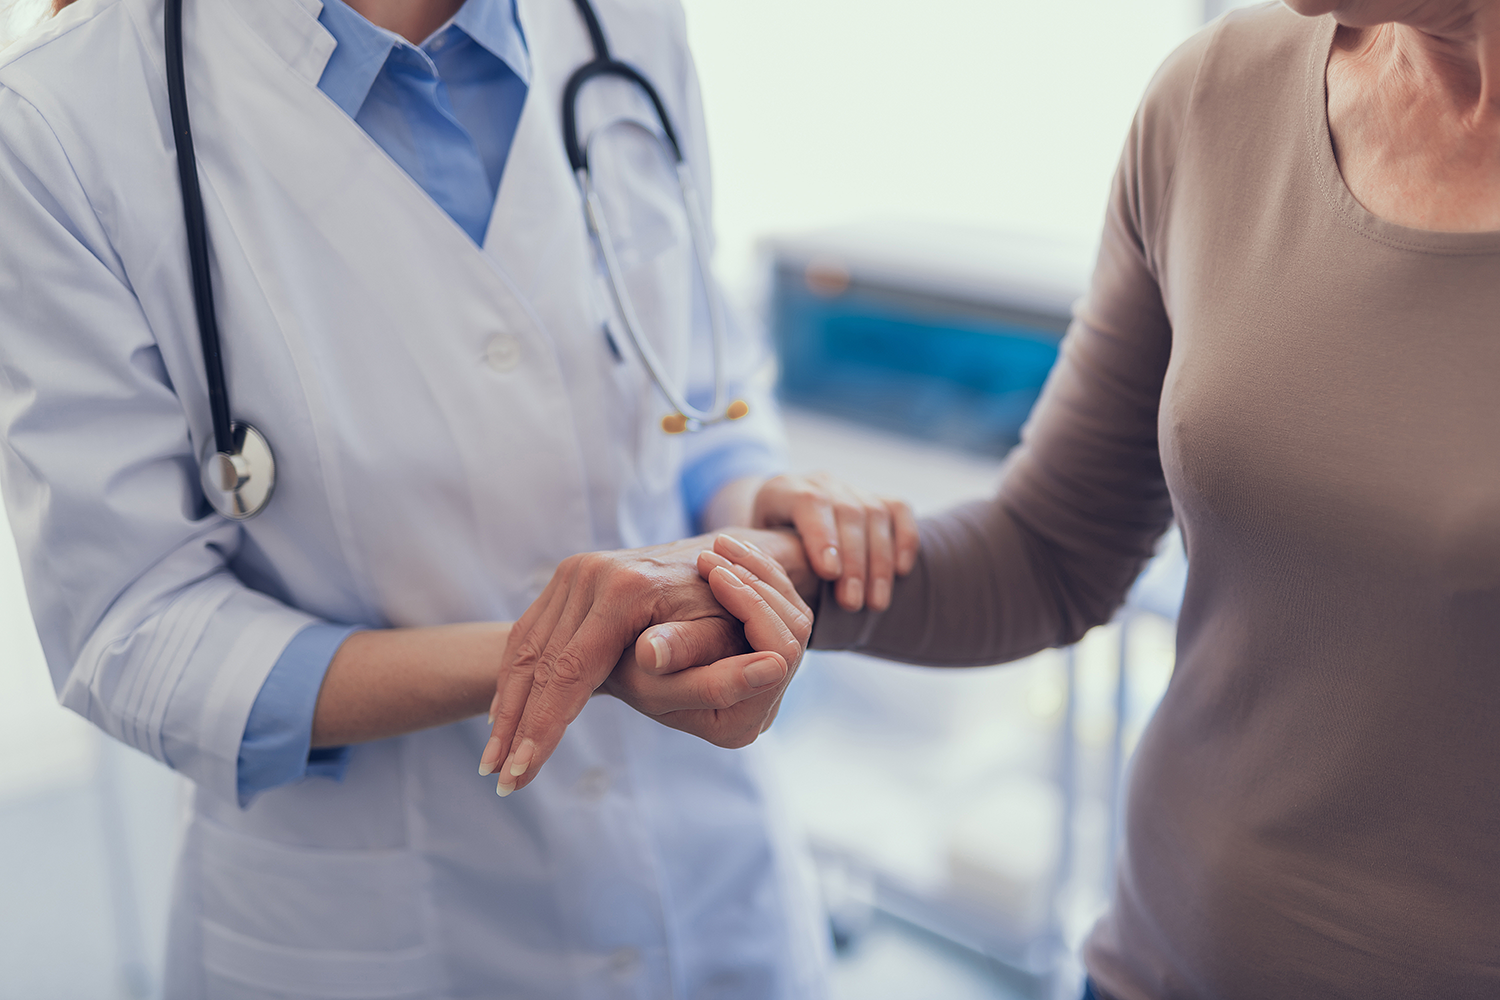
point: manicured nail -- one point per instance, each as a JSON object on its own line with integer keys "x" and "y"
{"x": 502, "y": 789}
{"x": 831, "y": 562}
{"x": 735, "y": 546}
{"x": 663, "y": 651}
{"x": 520, "y": 759}
{"x": 854, "y": 594}
{"x": 730, "y": 577}
{"x": 880, "y": 594}
{"x": 491, "y": 756}
{"x": 762, "y": 672}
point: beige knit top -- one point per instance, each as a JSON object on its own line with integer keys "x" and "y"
{"x": 1314, "y": 394}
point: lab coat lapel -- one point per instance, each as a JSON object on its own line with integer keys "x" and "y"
{"x": 537, "y": 225}
{"x": 329, "y": 222}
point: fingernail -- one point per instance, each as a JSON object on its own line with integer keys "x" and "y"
{"x": 734, "y": 545}
{"x": 491, "y": 755}
{"x": 491, "y": 720}
{"x": 502, "y": 789}
{"x": 854, "y": 593}
{"x": 520, "y": 758}
{"x": 663, "y": 651}
{"x": 730, "y": 577}
{"x": 880, "y": 594}
{"x": 831, "y": 559}
{"x": 763, "y": 672}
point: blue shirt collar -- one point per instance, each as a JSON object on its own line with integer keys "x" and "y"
{"x": 361, "y": 49}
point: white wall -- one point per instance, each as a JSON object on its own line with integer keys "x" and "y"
{"x": 999, "y": 113}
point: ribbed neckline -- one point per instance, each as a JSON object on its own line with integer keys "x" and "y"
{"x": 1340, "y": 198}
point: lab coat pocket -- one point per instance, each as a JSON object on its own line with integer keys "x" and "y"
{"x": 307, "y": 922}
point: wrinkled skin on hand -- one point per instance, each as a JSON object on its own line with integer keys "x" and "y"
{"x": 655, "y": 606}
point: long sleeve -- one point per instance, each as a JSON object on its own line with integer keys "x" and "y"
{"x": 146, "y": 630}
{"x": 1082, "y": 499}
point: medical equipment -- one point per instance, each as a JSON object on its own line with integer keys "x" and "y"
{"x": 941, "y": 332}
{"x": 686, "y": 417}
{"x": 239, "y": 475}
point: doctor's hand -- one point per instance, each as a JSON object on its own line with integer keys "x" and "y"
{"x": 732, "y": 701}
{"x": 600, "y": 606}
{"x": 860, "y": 540}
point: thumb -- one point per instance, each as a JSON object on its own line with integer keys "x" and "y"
{"x": 674, "y": 646}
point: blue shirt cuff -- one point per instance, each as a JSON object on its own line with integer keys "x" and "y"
{"x": 277, "y": 746}
{"x": 710, "y": 473}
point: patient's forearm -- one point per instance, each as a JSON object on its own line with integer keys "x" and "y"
{"x": 393, "y": 681}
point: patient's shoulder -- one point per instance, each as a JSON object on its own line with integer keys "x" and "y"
{"x": 1250, "y": 58}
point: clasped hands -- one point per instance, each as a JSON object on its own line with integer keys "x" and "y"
{"x": 703, "y": 635}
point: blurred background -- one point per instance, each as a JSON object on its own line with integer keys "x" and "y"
{"x": 907, "y": 196}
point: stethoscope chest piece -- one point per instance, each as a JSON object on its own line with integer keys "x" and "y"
{"x": 239, "y": 484}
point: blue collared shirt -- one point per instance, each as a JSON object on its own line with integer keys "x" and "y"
{"x": 445, "y": 112}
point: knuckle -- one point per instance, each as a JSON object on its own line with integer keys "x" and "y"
{"x": 806, "y": 496}
{"x": 568, "y": 669}
{"x": 848, "y": 510}
{"x": 720, "y": 694}
{"x": 528, "y": 655}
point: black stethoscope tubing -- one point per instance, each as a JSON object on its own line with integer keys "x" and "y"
{"x": 197, "y": 232}
{"x": 239, "y": 477}
{"x": 603, "y": 64}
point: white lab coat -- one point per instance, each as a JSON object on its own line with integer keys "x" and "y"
{"x": 448, "y": 424}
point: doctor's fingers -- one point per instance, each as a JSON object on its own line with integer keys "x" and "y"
{"x": 772, "y": 624}
{"x": 674, "y": 646}
{"x": 788, "y": 614}
{"x": 736, "y": 552}
{"x": 715, "y": 690}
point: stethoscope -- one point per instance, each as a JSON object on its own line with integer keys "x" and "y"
{"x": 239, "y": 474}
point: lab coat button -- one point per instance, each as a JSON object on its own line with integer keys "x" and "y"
{"x": 504, "y": 353}
{"x": 593, "y": 783}
{"x": 624, "y": 962}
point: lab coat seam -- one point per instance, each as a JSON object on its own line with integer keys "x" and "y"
{"x": 116, "y": 268}
{"x": 56, "y": 26}
{"x": 181, "y": 636}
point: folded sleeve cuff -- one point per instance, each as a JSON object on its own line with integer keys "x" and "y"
{"x": 277, "y": 745}
{"x": 707, "y": 475}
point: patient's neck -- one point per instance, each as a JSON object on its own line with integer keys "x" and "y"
{"x": 1415, "y": 118}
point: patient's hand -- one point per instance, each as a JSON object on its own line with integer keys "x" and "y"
{"x": 597, "y": 613}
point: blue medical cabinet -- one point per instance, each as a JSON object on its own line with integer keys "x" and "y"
{"x": 938, "y": 332}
